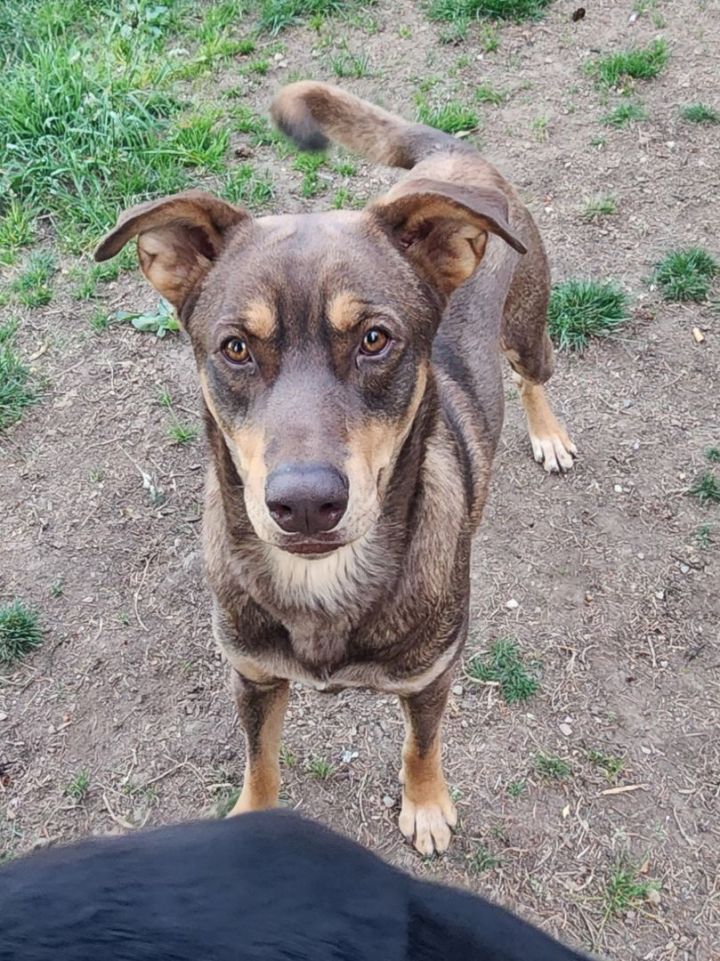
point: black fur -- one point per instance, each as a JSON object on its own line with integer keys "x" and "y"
{"x": 260, "y": 887}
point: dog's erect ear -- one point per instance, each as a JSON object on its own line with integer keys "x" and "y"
{"x": 178, "y": 238}
{"x": 442, "y": 228}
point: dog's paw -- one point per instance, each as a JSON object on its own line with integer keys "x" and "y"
{"x": 428, "y": 825}
{"x": 553, "y": 449}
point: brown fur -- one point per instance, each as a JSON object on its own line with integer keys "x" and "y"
{"x": 436, "y": 265}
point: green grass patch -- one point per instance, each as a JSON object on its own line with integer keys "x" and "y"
{"x": 610, "y": 764}
{"x": 686, "y": 275}
{"x": 319, "y": 768}
{"x": 452, "y": 117}
{"x": 78, "y": 788}
{"x": 258, "y": 128}
{"x": 703, "y": 536}
{"x": 581, "y": 309}
{"x": 486, "y": 93}
{"x": 515, "y": 10}
{"x": 88, "y": 279}
{"x": 706, "y": 487}
{"x": 31, "y": 287}
{"x": 308, "y": 164}
{"x": 481, "y": 860}
{"x": 639, "y": 63}
{"x": 599, "y": 207}
{"x": 346, "y": 64}
{"x": 16, "y": 390}
{"x": 17, "y": 230}
{"x": 20, "y": 631}
{"x": 699, "y": 113}
{"x": 277, "y": 15}
{"x": 199, "y": 142}
{"x": 624, "y": 890}
{"x": 631, "y": 111}
{"x": 713, "y": 454}
{"x": 552, "y": 768}
{"x": 244, "y": 186}
{"x": 182, "y": 434}
{"x": 503, "y": 665}
{"x": 225, "y": 802}
{"x": 516, "y": 788}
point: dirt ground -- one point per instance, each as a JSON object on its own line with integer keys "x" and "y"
{"x": 617, "y": 597}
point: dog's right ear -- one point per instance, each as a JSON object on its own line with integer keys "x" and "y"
{"x": 178, "y": 238}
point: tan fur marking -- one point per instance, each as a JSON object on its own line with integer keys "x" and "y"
{"x": 344, "y": 312}
{"x": 427, "y": 812}
{"x": 261, "y": 782}
{"x": 551, "y": 444}
{"x": 259, "y": 319}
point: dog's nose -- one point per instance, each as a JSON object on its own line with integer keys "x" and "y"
{"x": 306, "y": 498}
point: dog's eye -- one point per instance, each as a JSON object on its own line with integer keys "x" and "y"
{"x": 374, "y": 342}
{"x": 236, "y": 350}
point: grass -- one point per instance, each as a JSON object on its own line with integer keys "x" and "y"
{"x": 20, "y": 631}
{"x": 182, "y": 434}
{"x": 599, "y": 207}
{"x": 225, "y": 802}
{"x": 16, "y": 231}
{"x": 244, "y": 186}
{"x": 16, "y": 390}
{"x": 699, "y": 113}
{"x": 515, "y": 789}
{"x": 624, "y": 114}
{"x": 638, "y": 63}
{"x": 347, "y": 64}
{"x": 552, "y": 768}
{"x": 685, "y": 275}
{"x": 581, "y": 309}
{"x": 452, "y": 117}
{"x": 31, "y": 286}
{"x": 88, "y": 279}
{"x": 79, "y": 787}
{"x": 308, "y": 164}
{"x": 624, "y": 891}
{"x": 706, "y": 488}
{"x": 319, "y": 768}
{"x": 610, "y": 764}
{"x": 703, "y": 536}
{"x": 515, "y": 10}
{"x": 198, "y": 142}
{"x": 713, "y": 454}
{"x": 278, "y": 15}
{"x": 486, "y": 93}
{"x": 481, "y": 860}
{"x": 503, "y": 665}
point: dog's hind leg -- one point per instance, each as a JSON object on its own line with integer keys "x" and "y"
{"x": 427, "y": 812}
{"x": 527, "y": 347}
{"x": 261, "y": 708}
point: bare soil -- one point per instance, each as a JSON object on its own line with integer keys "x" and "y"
{"x": 618, "y": 599}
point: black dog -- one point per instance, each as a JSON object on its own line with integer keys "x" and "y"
{"x": 261, "y": 887}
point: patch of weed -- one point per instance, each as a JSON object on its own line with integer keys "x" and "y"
{"x": 486, "y": 93}
{"x": 625, "y": 113}
{"x": 99, "y": 321}
{"x": 552, "y": 768}
{"x": 347, "y": 64}
{"x": 260, "y": 131}
{"x": 320, "y": 768}
{"x": 159, "y": 322}
{"x": 225, "y": 802}
{"x": 699, "y": 113}
{"x": 504, "y": 665}
{"x": 481, "y": 860}
{"x": 287, "y": 758}
{"x": 277, "y": 15}
{"x": 610, "y": 764}
{"x": 344, "y": 198}
{"x": 515, "y": 10}
{"x": 515, "y": 789}
{"x": 308, "y": 164}
{"x": 78, "y": 788}
{"x": 713, "y": 454}
{"x": 599, "y": 207}
{"x": 581, "y": 309}
{"x": 244, "y": 186}
{"x": 17, "y": 230}
{"x": 57, "y": 588}
{"x": 31, "y": 286}
{"x": 165, "y": 398}
{"x": 706, "y": 488}
{"x": 639, "y": 63}
{"x": 16, "y": 391}
{"x": 703, "y": 536}
{"x": 452, "y": 117}
{"x": 182, "y": 434}
{"x": 623, "y": 890}
{"x": 88, "y": 279}
{"x": 197, "y": 141}
{"x": 685, "y": 275}
{"x": 540, "y": 129}
{"x": 20, "y": 631}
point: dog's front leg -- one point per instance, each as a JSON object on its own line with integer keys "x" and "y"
{"x": 427, "y": 812}
{"x": 261, "y": 708}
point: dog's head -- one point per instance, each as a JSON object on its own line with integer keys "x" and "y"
{"x": 312, "y": 336}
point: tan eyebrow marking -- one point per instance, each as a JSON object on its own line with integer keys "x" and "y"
{"x": 259, "y": 319}
{"x": 345, "y": 312}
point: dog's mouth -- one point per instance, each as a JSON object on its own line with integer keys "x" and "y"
{"x": 311, "y": 548}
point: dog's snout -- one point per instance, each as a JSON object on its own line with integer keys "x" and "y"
{"x": 306, "y": 499}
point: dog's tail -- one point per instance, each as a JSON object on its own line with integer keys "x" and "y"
{"x": 311, "y": 114}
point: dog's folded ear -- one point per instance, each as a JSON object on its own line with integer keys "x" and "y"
{"x": 442, "y": 228}
{"x": 178, "y": 238}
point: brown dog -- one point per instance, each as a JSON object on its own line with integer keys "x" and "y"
{"x": 350, "y": 368}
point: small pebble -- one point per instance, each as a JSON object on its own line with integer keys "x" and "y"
{"x": 457, "y": 691}
{"x": 566, "y": 730}
{"x": 512, "y": 604}
{"x": 3, "y": 716}
{"x": 618, "y": 488}
{"x": 388, "y": 801}
{"x": 684, "y": 568}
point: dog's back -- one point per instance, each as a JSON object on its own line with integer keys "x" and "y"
{"x": 263, "y": 887}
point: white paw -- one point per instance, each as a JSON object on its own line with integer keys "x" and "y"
{"x": 428, "y": 825}
{"x": 555, "y": 451}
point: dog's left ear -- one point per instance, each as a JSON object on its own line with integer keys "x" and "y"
{"x": 179, "y": 237}
{"x": 442, "y": 228}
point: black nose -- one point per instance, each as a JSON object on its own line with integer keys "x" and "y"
{"x": 306, "y": 498}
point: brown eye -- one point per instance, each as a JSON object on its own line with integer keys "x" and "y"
{"x": 374, "y": 342}
{"x": 236, "y": 350}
